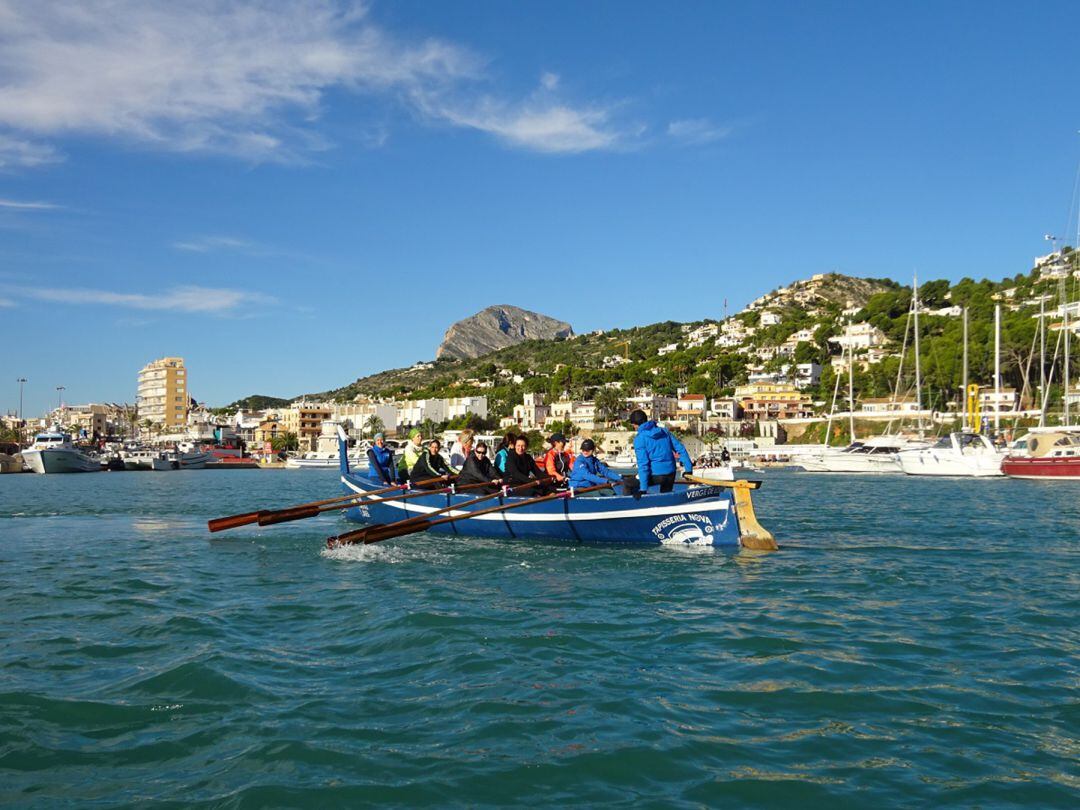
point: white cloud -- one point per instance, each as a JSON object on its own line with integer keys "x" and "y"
{"x": 16, "y": 153}
{"x": 6, "y": 302}
{"x": 188, "y": 299}
{"x": 208, "y": 244}
{"x": 697, "y": 131}
{"x": 542, "y": 122}
{"x": 17, "y": 205}
{"x": 245, "y": 78}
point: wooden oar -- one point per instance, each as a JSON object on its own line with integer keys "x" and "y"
{"x": 360, "y": 499}
{"x": 378, "y": 534}
{"x": 231, "y": 522}
{"x": 359, "y": 535}
{"x": 751, "y": 533}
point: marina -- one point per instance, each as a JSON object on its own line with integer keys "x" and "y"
{"x": 623, "y": 406}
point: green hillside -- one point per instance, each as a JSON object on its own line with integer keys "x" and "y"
{"x": 582, "y": 365}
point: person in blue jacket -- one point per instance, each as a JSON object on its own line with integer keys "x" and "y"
{"x": 381, "y": 460}
{"x": 589, "y": 471}
{"x": 656, "y": 449}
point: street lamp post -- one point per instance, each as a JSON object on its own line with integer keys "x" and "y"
{"x": 22, "y": 427}
{"x": 59, "y": 397}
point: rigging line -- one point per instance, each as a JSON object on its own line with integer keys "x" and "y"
{"x": 1050, "y": 376}
{"x": 1027, "y": 379}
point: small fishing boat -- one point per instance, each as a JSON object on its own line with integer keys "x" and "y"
{"x": 1049, "y": 455}
{"x": 691, "y": 515}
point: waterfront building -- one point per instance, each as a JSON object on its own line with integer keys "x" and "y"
{"x": 163, "y": 392}
{"x": 1005, "y": 401}
{"x": 415, "y": 411}
{"x": 267, "y": 431}
{"x": 530, "y": 415}
{"x": 463, "y": 406}
{"x": 582, "y": 413}
{"x": 767, "y": 400}
{"x": 654, "y": 405}
{"x": 876, "y": 406}
{"x": 305, "y": 420}
{"x": 354, "y": 417}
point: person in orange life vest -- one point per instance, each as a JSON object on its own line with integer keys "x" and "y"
{"x": 557, "y": 462}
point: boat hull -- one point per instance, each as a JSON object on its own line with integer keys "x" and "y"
{"x": 1060, "y": 469}
{"x": 293, "y": 463}
{"x": 929, "y": 462}
{"x": 60, "y": 460}
{"x": 849, "y": 463}
{"x": 700, "y": 516}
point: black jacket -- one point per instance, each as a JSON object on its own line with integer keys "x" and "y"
{"x": 429, "y": 466}
{"x": 477, "y": 471}
{"x": 520, "y": 469}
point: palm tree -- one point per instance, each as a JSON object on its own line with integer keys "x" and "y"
{"x": 285, "y": 441}
{"x": 374, "y": 424}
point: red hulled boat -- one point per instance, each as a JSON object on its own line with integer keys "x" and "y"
{"x": 1050, "y": 455}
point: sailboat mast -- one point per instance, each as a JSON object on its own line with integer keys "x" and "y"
{"x": 1042, "y": 360}
{"x": 918, "y": 363}
{"x": 851, "y": 387}
{"x": 1067, "y": 420}
{"x": 963, "y": 391}
{"x": 997, "y": 367}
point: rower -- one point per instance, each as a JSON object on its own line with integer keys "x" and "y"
{"x": 381, "y": 460}
{"x": 656, "y": 450}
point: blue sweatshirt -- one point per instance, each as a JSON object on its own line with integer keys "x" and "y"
{"x": 589, "y": 471}
{"x": 656, "y": 449}
{"x": 381, "y": 461}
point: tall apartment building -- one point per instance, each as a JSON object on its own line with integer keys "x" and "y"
{"x": 163, "y": 392}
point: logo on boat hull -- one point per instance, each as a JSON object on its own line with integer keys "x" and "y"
{"x": 687, "y": 529}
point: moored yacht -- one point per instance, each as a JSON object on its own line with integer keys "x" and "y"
{"x": 54, "y": 452}
{"x": 877, "y": 454}
{"x": 1048, "y": 455}
{"x": 958, "y": 454}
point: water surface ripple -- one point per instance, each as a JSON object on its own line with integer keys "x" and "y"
{"x": 913, "y": 644}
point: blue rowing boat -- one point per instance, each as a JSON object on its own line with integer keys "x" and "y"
{"x": 692, "y": 515}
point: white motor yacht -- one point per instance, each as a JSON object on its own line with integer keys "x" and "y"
{"x": 54, "y": 452}
{"x": 960, "y": 454}
{"x": 877, "y": 454}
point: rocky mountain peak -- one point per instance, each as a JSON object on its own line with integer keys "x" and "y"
{"x": 496, "y": 328}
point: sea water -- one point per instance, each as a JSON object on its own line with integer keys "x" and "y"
{"x": 914, "y": 643}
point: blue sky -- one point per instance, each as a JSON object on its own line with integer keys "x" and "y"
{"x": 291, "y": 195}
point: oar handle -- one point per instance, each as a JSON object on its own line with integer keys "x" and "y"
{"x": 285, "y": 515}
{"x": 222, "y": 523}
